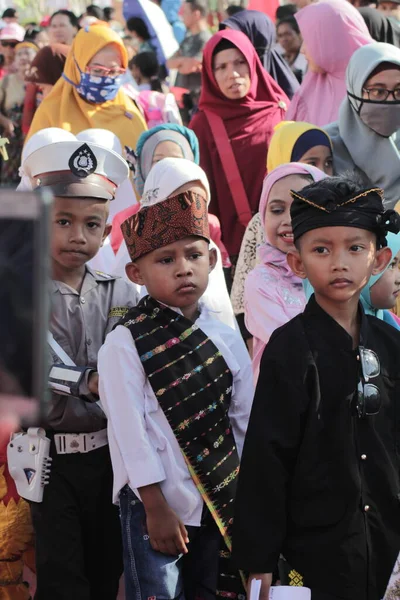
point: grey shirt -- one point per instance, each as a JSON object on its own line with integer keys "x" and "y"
{"x": 192, "y": 46}
{"x": 79, "y": 324}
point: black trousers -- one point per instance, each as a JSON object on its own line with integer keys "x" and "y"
{"x": 78, "y": 532}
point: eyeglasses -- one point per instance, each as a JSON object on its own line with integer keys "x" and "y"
{"x": 382, "y": 94}
{"x": 103, "y": 72}
{"x": 368, "y": 395}
{"x": 8, "y": 44}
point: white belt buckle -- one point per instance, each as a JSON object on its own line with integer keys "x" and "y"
{"x": 75, "y": 442}
{"x": 72, "y": 443}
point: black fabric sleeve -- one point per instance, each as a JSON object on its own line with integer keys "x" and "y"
{"x": 272, "y": 441}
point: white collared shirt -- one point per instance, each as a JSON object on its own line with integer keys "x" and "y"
{"x": 143, "y": 447}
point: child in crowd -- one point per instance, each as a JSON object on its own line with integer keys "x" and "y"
{"x": 78, "y": 537}
{"x": 382, "y": 290}
{"x": 319, "y": 479}
{"x": 273, "y": 294}
{"x": 176, "y": 386}
{"x": 291, "y": 142}
{"x": 173, "y": 141}
{"x": 158, "y": 104}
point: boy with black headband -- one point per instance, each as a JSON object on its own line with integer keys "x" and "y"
{"x": 78, "y": 536}
{"x": 320, "y": 476}
{"x": 176, "y": 385}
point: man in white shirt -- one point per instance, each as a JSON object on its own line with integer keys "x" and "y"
{"x": 177, "y": 388}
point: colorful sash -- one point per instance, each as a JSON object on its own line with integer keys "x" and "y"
{"x": 193, "y": 385}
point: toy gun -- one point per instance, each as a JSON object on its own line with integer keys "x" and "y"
{"x": 29, "y": 462}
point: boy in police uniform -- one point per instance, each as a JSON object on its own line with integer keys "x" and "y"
{"x": 78, "y": 539}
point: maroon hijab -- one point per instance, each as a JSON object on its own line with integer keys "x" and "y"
{"x": 48, "y": 64}
{"x": 249, "y": 123}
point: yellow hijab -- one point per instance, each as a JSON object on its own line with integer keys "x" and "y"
{"x": 283, "y": 141}
{"x": 64, "y": 108}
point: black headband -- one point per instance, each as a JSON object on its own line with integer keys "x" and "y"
{"x": 364, "y": 211}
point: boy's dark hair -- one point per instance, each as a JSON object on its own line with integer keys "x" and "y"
{"x": 109, "y": 12}
{"x": 10, "y": 13}
{"x": 73, "y": 19}
{"x": 339, "y": 187}
{"x": 137, "y": 25}
{"x": 286, "y": 10}
{"x": 95, "y": 11}
{"x": 200, "y": 5}
{"x": 233, "y": 9}
{"x": 147, "y": 64}
{"x": 291, "y": 21}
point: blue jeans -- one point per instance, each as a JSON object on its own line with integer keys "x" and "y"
{"x": 151, "y": 575}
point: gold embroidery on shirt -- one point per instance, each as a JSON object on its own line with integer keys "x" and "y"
{"x": 118, "y": 311}
{"x": 296, "y": 579}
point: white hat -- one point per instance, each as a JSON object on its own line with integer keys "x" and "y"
{"x": 167, "y": 176}
{"x": 12, "y": 32}
{"x": 73, "y": 167}
{"x": 41, "y": 138}
{"x": 102, "y": 137}
{"x": 125, "y": 195}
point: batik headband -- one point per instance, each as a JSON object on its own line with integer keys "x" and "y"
{"x": 166, "y": 222}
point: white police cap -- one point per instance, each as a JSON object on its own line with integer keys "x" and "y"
{"x": 74, "y": 168}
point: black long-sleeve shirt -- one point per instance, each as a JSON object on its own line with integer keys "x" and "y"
{"x": 317, "y": 483}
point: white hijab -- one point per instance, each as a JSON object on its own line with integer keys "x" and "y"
{"x": 164, "y": 178}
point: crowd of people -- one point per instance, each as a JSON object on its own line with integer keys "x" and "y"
{"x": 225, "y": 294}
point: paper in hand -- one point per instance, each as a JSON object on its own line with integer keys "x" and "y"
{"x": 280, "y": 592}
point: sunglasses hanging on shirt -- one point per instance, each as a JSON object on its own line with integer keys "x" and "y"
{"x": 368, "y": 395}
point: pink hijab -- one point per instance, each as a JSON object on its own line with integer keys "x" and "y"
{"x": 332, "y": 31}
{"x": 293, "y": 168}
{"x": 273, "y": 293}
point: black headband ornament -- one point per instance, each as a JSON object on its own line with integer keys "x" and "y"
{"x": 332, "y": 206}
{"x": 389, "y": 221}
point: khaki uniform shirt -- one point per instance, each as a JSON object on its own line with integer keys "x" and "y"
{"x": 79, "y": 324}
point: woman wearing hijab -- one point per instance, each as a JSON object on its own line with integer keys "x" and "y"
{"x": 173, "y": 141}
{"x": 381, "y": 27}
{"x": 291, "y": 142}
{"x": 240, "y": 104}
{"x": 332, "y": 31}
{"x": 89, "y": 94}
{"x": 46, "y": 69}
{"x": 261, "y": 32}
{"x": 164, "y": 141}
{"x": 366, "y": 136}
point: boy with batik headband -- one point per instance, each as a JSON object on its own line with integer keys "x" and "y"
{"x": 320, "y": 475}
{"x": 176, "y": 385}
{"x": 78, "y": 536}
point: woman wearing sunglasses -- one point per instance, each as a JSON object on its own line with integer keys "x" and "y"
{"x": 89, "y": 93}
{"x": 10, "y": 36}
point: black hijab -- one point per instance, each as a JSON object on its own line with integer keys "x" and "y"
{"x": 381, "y": 28}
{"x": 261, "y": 32}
